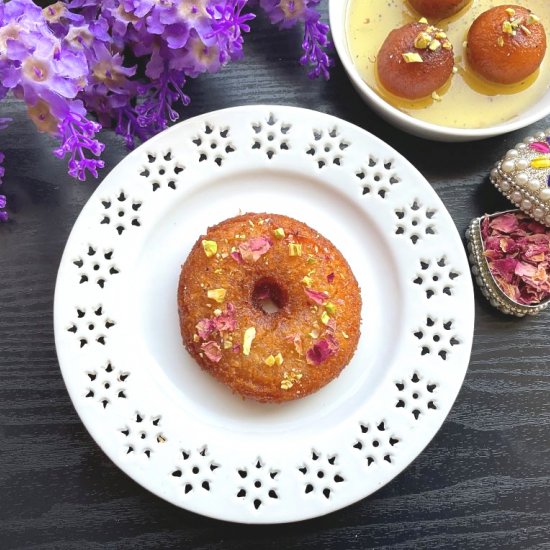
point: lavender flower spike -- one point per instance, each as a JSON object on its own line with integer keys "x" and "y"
{"x": 286, "y": 13}
{"x": 3, "y": 214}
{"x": 77, "y": 136}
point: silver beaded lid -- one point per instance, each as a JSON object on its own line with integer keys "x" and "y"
{"x": 523, "y": 176}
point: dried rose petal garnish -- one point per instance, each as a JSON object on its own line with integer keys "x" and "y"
{"x": 253, "y": 249}
{"x": 322, "y": 350}
{"x": 316, "y": 296}
{"x": 517, "y": 250}
{"x": 225, "y": 322}
{"x": 212, "y": 351}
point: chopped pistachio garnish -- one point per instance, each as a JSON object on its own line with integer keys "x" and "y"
{"x": 217, "y": 312}
{"x": 325, "y": 318}
{"x": 286, "y": 384}
{"x": 440, "y": 35}
{"x": 218, "y": 271}
{"x": 532, "y": 18}
{"x": 314, "y": 333}
{"x": 307, "y": 280}
{"x": 525, "y": 29}
{"x": 289, "y": 378}
{"x": 330, "y": 307}
{"x": 294, "y": 249}
{"x": 345, "y": 335}
{"x": 447, "y": 45}
{"x": 423, "y": 20}
{"x": 279, "y": 233}
{"x": 210, "y": 248}
{"x": 436, "y": 96}
{"x": 196, "y": 338}
{"x": 508, "y": 28}
{"x": 434, "y": 45}
{"x": 510, "y": 11}
{"x": 249, "y": 335}
{"x": 269, "y": 360}
{"x": 310, "y": 259}
{"x": 279, "y": 359}
{"x": 217, "y": 294}
{"x": 227, "y": 344}
{"x": 412, "y": 57}
{"x": 500, "y": 41}
{"x": 422, "y": 40}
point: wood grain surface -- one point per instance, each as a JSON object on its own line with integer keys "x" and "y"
{"x": 483, "y": 482}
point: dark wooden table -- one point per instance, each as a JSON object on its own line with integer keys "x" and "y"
{"x": 484, "y": 481}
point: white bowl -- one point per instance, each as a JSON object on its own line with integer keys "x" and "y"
{"x": 338, "y": 10}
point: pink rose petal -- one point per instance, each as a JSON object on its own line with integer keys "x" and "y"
{"x": 525, "y": 269}
{"x": 253, "y": 249}
{"x": 505, "y": 268}
{"x": 205, "y": 327}
{"x": 297, "y": 341}
{"x": 316, "y": 296}
{"x": 237, "y": 257}
{"x": 330, "y": 278}
{"x": 517, "y": 250}
{"x": 505, "y": 223}
{"x": 227, "y": 321}
{"x": 212, "y": 351}
{"x": 321, "y": 350}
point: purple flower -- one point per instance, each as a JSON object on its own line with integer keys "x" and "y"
{"x": 286, "y": 13}
{"x": 3, "y": 214}
{"x": 159, "y": 96}
{"x": 315, "y": 41}
{"x": 68, "y": 60}
{"x": 77, "y": 138}
{"x": 228, "y": 24}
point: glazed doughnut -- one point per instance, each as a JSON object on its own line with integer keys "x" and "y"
{"x": 438, "y": 9}
{"x": 277, "y": 352}
{"x": 415, "y": 60}
{"x": 506, "y": 44}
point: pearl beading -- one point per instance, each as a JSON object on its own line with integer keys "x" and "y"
{"x": 527, "y": 187}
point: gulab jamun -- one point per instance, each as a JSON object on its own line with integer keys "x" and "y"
{"x": 415, "y": 60}
{"x": 438, "y": 9}
{"x": 506, "y": 44}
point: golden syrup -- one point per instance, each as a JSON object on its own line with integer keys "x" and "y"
{"x": 466, "y": 101}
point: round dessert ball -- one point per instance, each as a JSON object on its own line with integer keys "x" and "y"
{"x": 438, "y": 9}
{"x": 415, "y": 60}
{"x": 506, "y": 44}
{"x": 269, "y": 307}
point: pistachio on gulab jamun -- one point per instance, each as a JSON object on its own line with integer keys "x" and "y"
{"x": 415, "y": 60}
{"x": 506, "y": 44}
{"x": 438, "y": 9}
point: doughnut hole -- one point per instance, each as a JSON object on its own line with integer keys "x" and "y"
{"x": 438, "y": 9}
{"x": 413, "y": 80}
{"x": 268, "y": 295}
{"x": 506, "y": 56}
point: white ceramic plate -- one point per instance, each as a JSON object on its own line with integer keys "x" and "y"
{"x": 177, "y": 431}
